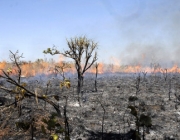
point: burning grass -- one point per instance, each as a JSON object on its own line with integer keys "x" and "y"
{"x": 44, "y": 67}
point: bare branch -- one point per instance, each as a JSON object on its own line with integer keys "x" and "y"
{"x": 15, "y": 58}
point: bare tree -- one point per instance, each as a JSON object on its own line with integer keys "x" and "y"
{"x": 144, "y": 74}
{"x": 60, "y": 69}
{"x": 21, "y": 92}
{"x": 95, "y": 84}
{"x": 15, "y": 58}
{"x": 138, "y": 81}
{"x": 82, "y": 51}
{"x": 165, "y": 73}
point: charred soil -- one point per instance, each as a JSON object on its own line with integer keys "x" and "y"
{"x": 156, "y": 97}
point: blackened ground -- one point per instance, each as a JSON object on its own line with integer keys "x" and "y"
{"x": 113, "y": 93}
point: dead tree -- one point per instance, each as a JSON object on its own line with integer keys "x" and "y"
{"x": 15, "y": 58}
{"x": 47, "y": 88}
{"x": 137, "y": 86}
{"x": 82, "y": 51}
{"x": 95, "y": 84}
{"x": 21, "y": 92}
{"x": 144, "y": 75}
{"x": 60, "y": 69}
{"x": 67, "y": 133}
{"x": 155, "y": 68}
{"x": 165, "y": 73}
{"x": 170, "y": 88}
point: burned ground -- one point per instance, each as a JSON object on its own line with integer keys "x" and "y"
{"x": 85, "y": 122}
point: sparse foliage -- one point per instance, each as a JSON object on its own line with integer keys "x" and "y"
{"x": 141, "y": 120}
{"x": 21, "y": 91}
{"x": 81, "y": 50}
{"x": 52, "y": 125}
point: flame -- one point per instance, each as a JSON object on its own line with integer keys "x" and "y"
{"x": 43, "y": 67}
{"x": 2, "y": 66}
{"x": 174, "y": 69}
{"x": 100, "y": 68}
{"x": 116, "y": 64}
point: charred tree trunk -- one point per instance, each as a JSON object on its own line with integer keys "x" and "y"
{"x": 79, "y": 87}
{"x": 80, "y": 82}
{"x": 95, "y": 84}
{"x": 138, "y": 80}
{"x": 170, "y": 88}
{"x": 67, "y": 133}
{"x": 15, "y": 59}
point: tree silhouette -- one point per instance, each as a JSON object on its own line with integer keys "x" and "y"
{"x": 83, "y": 52}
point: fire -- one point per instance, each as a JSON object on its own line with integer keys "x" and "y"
{"x": 44, "y": 67}
{"x": 174, "y": 69}
{"x": 116, "y": 64}
{"x": 100, "y": 69}
{"x": 2, "y": 66}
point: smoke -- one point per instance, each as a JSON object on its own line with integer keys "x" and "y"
{"x": 151, "y": 34}
{"x": 139, "y": 54}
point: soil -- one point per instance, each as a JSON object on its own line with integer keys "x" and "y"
{"x": 85, "y": 121}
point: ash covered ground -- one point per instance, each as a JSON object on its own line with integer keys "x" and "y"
{"x": 85, "y": 121}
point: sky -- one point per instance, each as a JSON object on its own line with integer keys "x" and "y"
{"x": 127, "y": 31}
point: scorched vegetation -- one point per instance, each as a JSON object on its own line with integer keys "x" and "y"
{"x": 60, "y": 104}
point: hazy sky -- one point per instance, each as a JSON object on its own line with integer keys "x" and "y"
{"x": 132, "y": 31}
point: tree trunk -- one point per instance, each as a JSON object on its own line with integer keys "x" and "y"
{"x": 79, "y": 83}
{"x": 96, "y": 77}
{"x": 80, "y": 78}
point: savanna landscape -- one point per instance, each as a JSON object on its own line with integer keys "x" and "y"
{"x": 89, "y": 70}
{"x": 86, "y": 100}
